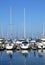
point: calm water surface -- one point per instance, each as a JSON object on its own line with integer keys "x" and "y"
{"x": 22, "y": 57}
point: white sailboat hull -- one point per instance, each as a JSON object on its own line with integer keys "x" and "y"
{"x": 24, "y": 47}
{"x": 1, "y": 42}
{"x": 41, "y": 45}
{"x": 9, "y": 47}
{"x": 18, "y": 42}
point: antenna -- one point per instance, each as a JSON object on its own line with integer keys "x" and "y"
{"x": 24, "y": 25}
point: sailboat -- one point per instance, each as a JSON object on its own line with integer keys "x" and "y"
{"x": 10, "y": 44}
{"x": 42, "y": 43}
{"x": 23, "y": 39}
{"x": 2, "y": 40}
{"x": 24, "y": 44}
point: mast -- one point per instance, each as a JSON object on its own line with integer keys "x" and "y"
{"x": 2, "y": 31}
{"x": 10, "y": 22}
{"x": 24, "y": 25}
{"x": 43, "y": 31}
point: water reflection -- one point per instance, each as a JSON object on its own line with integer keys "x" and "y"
{"x": 41, "y": 53}
{"x": 10, "y": 54}
{"x": 22, "y": 57}
{"x": 34, "y": 52}
{"x": 1, "y": 52}
{"x": 25, "y": 54}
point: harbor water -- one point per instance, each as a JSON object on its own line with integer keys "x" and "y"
{"x": 22, "y": 57}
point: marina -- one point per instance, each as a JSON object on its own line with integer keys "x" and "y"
{"x": 22, "y": 32}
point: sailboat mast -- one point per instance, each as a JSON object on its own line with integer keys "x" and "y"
{"x": 24, "y": 25}
{"x": 10, "y": 22}
{"x": 2, "y": 31}
{"x": 43, "y": 30}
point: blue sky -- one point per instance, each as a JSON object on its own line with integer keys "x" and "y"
{"x": 35, "y": 17}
